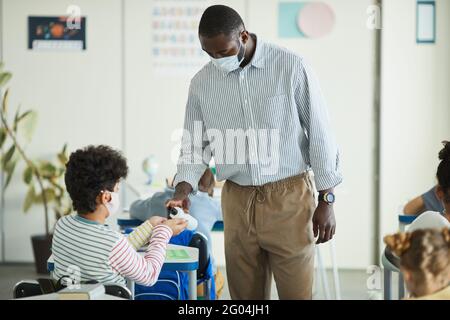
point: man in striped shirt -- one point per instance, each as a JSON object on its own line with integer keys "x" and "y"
{"x": 84, "y": 247}
{"x": 258, "y": 110}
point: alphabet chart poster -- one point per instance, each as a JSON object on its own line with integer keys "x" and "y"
{"x": 175, "y": 45}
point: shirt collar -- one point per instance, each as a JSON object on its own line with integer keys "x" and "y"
{"x": 79, "y": 218}
{"x": 258, "y": 57}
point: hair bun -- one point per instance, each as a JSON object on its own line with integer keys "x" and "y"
{"x": 444, "y": 154}
{"x": 398, "y": 243}
{"x": 446, "y": 235}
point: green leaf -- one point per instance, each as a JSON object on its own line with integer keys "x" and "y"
{"x": 5, "y": 101}
{"x": 27, "y": 124}
{"x": 28, "y": 175}
{"x": 62, "y": 156}
{"x": 49, "y": 195}
{"x": 47, "y": 169}
{"x": 3, "y": 136}
{"x": 29, "y": 199}
{"x": 4, "y": 78}
{"x": 9, "y": 169}
{"x": 8, "y": 156}
{"x": 16, "y": 119}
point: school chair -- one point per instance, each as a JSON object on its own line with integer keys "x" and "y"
{"x": 391, "y": 263}
{"x": 29, "y": 288}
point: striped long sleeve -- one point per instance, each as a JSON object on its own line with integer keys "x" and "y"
{"x": 142, "y": 269}
{"x": 194, "y": 155}
{"x": 322, "y": 152}
{"x": 140, "y": 235}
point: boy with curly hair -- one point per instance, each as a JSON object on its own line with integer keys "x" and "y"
{"x": 83, "y": 242}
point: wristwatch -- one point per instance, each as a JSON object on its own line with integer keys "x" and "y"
{"x": 327, "y": 197}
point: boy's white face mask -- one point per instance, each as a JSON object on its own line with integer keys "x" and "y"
{"x": 230, "y": 63}
{"x": 114, "y": 203}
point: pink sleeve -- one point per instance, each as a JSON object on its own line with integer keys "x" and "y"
{"x": 142, "y": 269}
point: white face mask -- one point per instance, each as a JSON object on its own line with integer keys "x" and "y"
{"x": 230, "y": 63}
{"x": 113, "y": 204}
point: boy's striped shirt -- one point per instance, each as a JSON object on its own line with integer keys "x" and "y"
{"x": 86, "y": 250}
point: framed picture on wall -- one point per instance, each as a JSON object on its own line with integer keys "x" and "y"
{"x": 426, "y": 22}
{"x": 57, "y": 33}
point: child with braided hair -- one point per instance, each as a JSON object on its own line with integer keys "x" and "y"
{"x": 424, "y": 261}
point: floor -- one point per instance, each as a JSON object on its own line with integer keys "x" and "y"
{"x": 353, "y": 283}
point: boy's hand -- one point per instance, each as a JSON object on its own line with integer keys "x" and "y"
{"x": 177, "y": 225}
{"x": 154, "y": 221}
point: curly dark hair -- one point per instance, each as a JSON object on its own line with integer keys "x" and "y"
{"x": 443, "y": 171}
{"x": 219, "y": 19}
{"x": 91, "y": 170}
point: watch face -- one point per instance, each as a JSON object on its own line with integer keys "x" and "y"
{"x": 329, "y": 197}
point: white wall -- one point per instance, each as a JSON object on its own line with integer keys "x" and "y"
{"x": 415, "y": 105}
{"x": 154, "y": 105}
{"x": 343, "y": 62}
{"x": 77, "y": 96}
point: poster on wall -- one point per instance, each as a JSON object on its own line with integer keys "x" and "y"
{"x": 175, "y": 48}
{"x": 301, "y": 19}
{"x": 56, "y": 33}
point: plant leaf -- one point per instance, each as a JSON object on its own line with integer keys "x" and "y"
{"x": 29, "y": 199}
{"x": 4, "y": 78}
{"x": 16, "y": 119}
{"x": 3, "y": 136}
{"x": 27, "y": 124}
{"x": 8, "y": 156}
{"x": 47, "y": 169}
{"x": 49, "y": 194}
{"x": 9, "y": 169}
{"x": 5, "y": 101}
{"x": 28, "y": 175}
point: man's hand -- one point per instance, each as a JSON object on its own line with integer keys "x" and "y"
{"x": 324, "y": 223}
{"x": 181, "y": 197}
{"x": 154, "y": 221}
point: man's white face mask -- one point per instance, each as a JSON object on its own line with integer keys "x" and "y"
{"x": 230, "y": 63}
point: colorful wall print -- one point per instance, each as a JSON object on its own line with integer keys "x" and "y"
{"x": 175, "y": 45}
{"x": 56, "y": 34}
{"x": 305, "y": 19}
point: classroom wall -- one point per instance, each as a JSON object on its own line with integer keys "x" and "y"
{"x": 138, "y": 110}
{"x": 343, "y": 63}
{"x": 415, "y": 106}
{"x": 77, "y": 96}
{"x": 110, "y": 95}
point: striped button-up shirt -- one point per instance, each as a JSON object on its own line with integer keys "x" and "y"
{"x": 261, "y": 123}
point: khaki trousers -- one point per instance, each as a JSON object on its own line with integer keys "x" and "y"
{"x": 268, "y": 229}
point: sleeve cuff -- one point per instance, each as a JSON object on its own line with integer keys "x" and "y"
{"x": 326, "y": 179}
{"x": 192, "y": 179}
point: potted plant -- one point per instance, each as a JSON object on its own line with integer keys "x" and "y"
{"x": 43, "y": 178}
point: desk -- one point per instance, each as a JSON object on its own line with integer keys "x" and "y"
{"x": 189, "y": 265}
